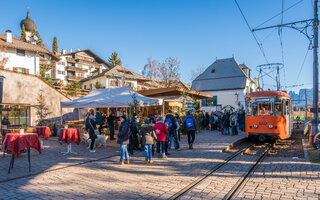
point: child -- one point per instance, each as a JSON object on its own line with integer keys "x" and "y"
{"x": 148, "y": 136}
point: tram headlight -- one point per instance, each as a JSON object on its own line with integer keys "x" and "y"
{"x": 270, "y": 126}
{"x": 255, "y": 125}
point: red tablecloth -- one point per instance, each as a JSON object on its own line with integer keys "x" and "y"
{"x": 16, "y": 142}
{"x": 68, "y": 135}
{"x": 43, "y": 131}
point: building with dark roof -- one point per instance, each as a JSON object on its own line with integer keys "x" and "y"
{"x": 227, "y": 80}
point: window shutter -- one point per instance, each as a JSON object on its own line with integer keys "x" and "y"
{"x": 64, "y": 72}
{"x": 15, "y": 69}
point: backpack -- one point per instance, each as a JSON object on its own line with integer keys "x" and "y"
{"x": 169, "y": 122}
{"x": 189, "y": 122}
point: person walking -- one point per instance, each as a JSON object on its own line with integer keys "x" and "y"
{"x": 212, "y": 121}
{"x": 148, "y": 136}
{"x": 233, "y": 123}
{"x": 226, "y": 123}
{"x": 91, "y": 127}
{"x": 190, "y": 125}
{"x": 161, "y": 132}
{"x": 241, "y": 120}
{"x": 179, "y": 121}
{"x": 99, "y": 120}
{"x": 123, "y": 140}
{"x": 110, "y": 122}
{"x": 207, "y": 119}
{"x": 172, "y": 126}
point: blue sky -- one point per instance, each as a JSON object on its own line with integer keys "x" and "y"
{"x": 194, "y": 31}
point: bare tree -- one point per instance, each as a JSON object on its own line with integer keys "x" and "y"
{"x": 150, "y": 70}
{"x": 195, "y": 73}
{"x": 169, "y": 71}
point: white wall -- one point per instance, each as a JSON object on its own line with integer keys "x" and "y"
{"x": 29, "y": 61}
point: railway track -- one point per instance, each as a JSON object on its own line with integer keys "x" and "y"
{"x": 241, "y": 182}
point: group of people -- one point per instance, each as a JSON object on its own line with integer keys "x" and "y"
{"x": 224, "y": 122}
{"x": 156, "y": 134}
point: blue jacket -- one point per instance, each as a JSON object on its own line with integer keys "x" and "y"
{"x": 123, "y": 135}
{"x": 99, "y": 119}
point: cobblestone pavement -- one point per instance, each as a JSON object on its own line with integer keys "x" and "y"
{"x": 283, "y": 178}
{"x": 61, "y": 177}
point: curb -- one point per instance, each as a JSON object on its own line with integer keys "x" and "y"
{"x": 234, "y": 144}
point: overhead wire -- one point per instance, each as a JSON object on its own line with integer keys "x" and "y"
{"x": 254, "y": 36}
{"x": 304, "y": 60}
{"x": 281, "y": 42}
{"x": 280, "y": 13}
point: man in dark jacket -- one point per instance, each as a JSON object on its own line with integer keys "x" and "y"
{"x": 123, "y": 140}
{"x": 134, "y": 130}
{"x": 190, "y": 125}
{"x": 171, "y": 121}
{"x": 148, "y": 137}
{"x": 110, "y": 122}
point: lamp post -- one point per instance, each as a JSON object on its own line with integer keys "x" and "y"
{"x": 1, "y": 94}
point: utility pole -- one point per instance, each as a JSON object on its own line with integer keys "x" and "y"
{"x": 313, "y": 39}
{"x": 306, "y": 103}
{"x": 299, "y": 102}
{"x": 315, "y": 71}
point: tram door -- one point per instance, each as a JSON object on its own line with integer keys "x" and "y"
{"x": 287, "y": 112}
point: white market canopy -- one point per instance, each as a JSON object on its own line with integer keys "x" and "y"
{"x": 110, "y": 98}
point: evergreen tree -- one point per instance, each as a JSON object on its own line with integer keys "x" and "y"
{"x": 98, "y": 85}
{"x": 55, "y": 45}
{"x": 42, "y": 110}
{"x": 114, "y": 60}
{"x": 73, "y": 88}
{"x": 45, "y": 77}
{"x": 23, "y": 35}
{"x": 37, "y": 37}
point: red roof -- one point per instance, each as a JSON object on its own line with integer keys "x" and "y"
{"x": 268, "y": 94}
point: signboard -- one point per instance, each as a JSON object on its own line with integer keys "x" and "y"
{"x": 219, "y": 108}
{"x": 215, "y": 100}
{"x": 299, "y": 118}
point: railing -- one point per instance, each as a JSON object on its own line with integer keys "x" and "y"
{"x": 72, "y": 68}
{"x": 75, "y": 92}
{"x": 71, "y": 60}
{"x": 72, "y": 77}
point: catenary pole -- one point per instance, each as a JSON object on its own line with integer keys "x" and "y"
{"x": 315, "y": 70}
{"x": 306, "y": 103}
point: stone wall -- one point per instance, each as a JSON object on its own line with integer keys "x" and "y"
{"x": 24, "y": 89}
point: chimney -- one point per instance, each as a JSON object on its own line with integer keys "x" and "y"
{"x": 63, "y": 51}
{"x": 9, "y": 36}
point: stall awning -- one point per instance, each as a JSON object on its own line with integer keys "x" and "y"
{"x": 110, "y": 98}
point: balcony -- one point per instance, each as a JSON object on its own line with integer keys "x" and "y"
{"x": 71, "y": 60}
{"x": 73, "y": 78}
{"x": 76, "y": 69}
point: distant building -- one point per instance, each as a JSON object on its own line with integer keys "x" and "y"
{"x": 77, "y": 65}
{"x": 116, "y": 76}
{"x": 228, "y": 81}
{"x": 22, "y": 56}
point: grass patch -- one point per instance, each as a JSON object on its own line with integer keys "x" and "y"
{"x": 314, "y": 155}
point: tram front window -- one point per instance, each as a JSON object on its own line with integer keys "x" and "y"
{"x": 262, "y": 108}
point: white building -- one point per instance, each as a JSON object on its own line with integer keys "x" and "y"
{"x": 77, "y": 65}
{"x": 22, "y": 56}
{"x": 228, "y": 81}
{"x": 116, "y": 76}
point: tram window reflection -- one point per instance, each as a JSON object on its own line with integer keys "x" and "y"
{"x": 262, "y": 109}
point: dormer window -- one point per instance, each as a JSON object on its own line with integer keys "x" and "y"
{"x": 21, "y": 52}
{"x": 213, "y": 71}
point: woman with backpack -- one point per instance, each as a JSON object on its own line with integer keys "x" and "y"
{"x": 190, "y": 125}
{"x": 148, "y": 136}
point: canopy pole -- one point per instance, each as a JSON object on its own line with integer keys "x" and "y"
{"x": 60, "y": 113}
